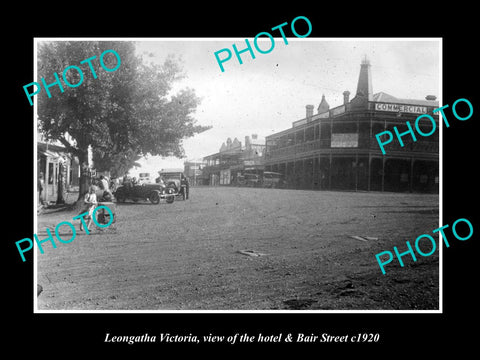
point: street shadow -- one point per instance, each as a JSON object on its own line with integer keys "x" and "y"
{"x": 420, "y": 212}
{"x": 135, "y": 203}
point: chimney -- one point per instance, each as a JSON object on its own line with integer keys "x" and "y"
{"x": 247, "y": 142}
{"x": 431, "y": 97}
{"x": 309, "y": 111}
{"x": 346, "y": 97}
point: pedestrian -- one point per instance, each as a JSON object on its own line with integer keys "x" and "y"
{"x": 184, "y": 182}
{"x": 160, "y": 180}
{"x": 104, "y": 183}
{"x": 127, "y": 181}
{"x": 90, "y": 202}
{"x": 107, "y": 196}
{"x": 113, "y": 184}
{"x": 40, "y": 184}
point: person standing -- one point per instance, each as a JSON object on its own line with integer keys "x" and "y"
{"x": 40, "y": 187}
{"x": 107, "y": 194}
{"x": 184, "y": 182}
{"x": 113, "y": 184}
{"x": 90, "y": 202}
{"x": 127, "y": 181}
{"x": 104, "y": 183}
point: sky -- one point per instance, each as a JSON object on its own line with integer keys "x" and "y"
{"x": 266, "y": 94}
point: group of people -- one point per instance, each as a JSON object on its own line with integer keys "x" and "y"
{"x": 129, "y": 181}
{"x": 90, "y": 200}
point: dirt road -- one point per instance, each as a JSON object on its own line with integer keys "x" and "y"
{"x": 199, "y": 254}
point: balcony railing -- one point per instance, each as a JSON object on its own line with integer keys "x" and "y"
{"x": 419, "y": 146}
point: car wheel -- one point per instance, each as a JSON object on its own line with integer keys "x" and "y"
{"x": 154, "y": 197}
{"x": 170, "y": 199}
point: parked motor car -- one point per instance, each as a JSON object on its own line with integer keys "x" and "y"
{"x": 252, "y": 179}
{"x": 150, "y": 192}
{"x": 176, "y": 180}
{"x": 248, "y": 179}
{"x": 273, "y": 179}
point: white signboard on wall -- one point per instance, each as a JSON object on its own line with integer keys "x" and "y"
{"x": 344, "y": 140}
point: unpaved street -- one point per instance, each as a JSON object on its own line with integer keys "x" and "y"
{"x": 198, "y": 254}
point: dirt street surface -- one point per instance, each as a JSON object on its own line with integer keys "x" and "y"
{"x": 229, "y": 248}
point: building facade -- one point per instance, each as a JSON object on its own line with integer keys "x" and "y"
{"x": 193, "y": 170}
{"x": 233, "y": 160}
{"x": 337, "y": 148}
{"x": 53, "y": 161}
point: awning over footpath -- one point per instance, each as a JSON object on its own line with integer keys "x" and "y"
{"x": 53, "y": 152}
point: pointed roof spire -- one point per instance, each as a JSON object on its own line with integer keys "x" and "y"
{"x": 323, "y": 107}
{"x": 365, "y": 59}
{"x": 364, "y": 87}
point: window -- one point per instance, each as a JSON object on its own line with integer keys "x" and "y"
{"x": 291, "y": 139}
{"x": 299, "y": 137}
{"x": 309, "y": 133}
{"x": 325, "y": 131}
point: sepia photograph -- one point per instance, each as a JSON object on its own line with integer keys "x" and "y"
{"x": 233, "y": 175}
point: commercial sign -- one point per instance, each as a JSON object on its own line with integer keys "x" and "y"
{"x": 413, "y": 109}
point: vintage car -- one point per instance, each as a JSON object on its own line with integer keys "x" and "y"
{"x": 249, "y": 179}
{"x": 150, "y": 192}
{"x": 273, "y": 180}
{"x": 176, "y": 180}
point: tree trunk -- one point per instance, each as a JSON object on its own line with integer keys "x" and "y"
{"x": 61, "y": 186}
{"x": 85, "y": 175}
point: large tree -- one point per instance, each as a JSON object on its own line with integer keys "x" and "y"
{"x": 116, "y": 164}
{"x": 121, "y": 114}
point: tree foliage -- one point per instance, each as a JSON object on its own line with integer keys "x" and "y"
{"x": 123, "y": 114}
{"x": 117, "y": 164}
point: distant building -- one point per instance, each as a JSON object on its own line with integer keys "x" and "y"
{"x": 193, "y": 170}
{"x": 233, "y": 160}
{"x": 337, "y": 149}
